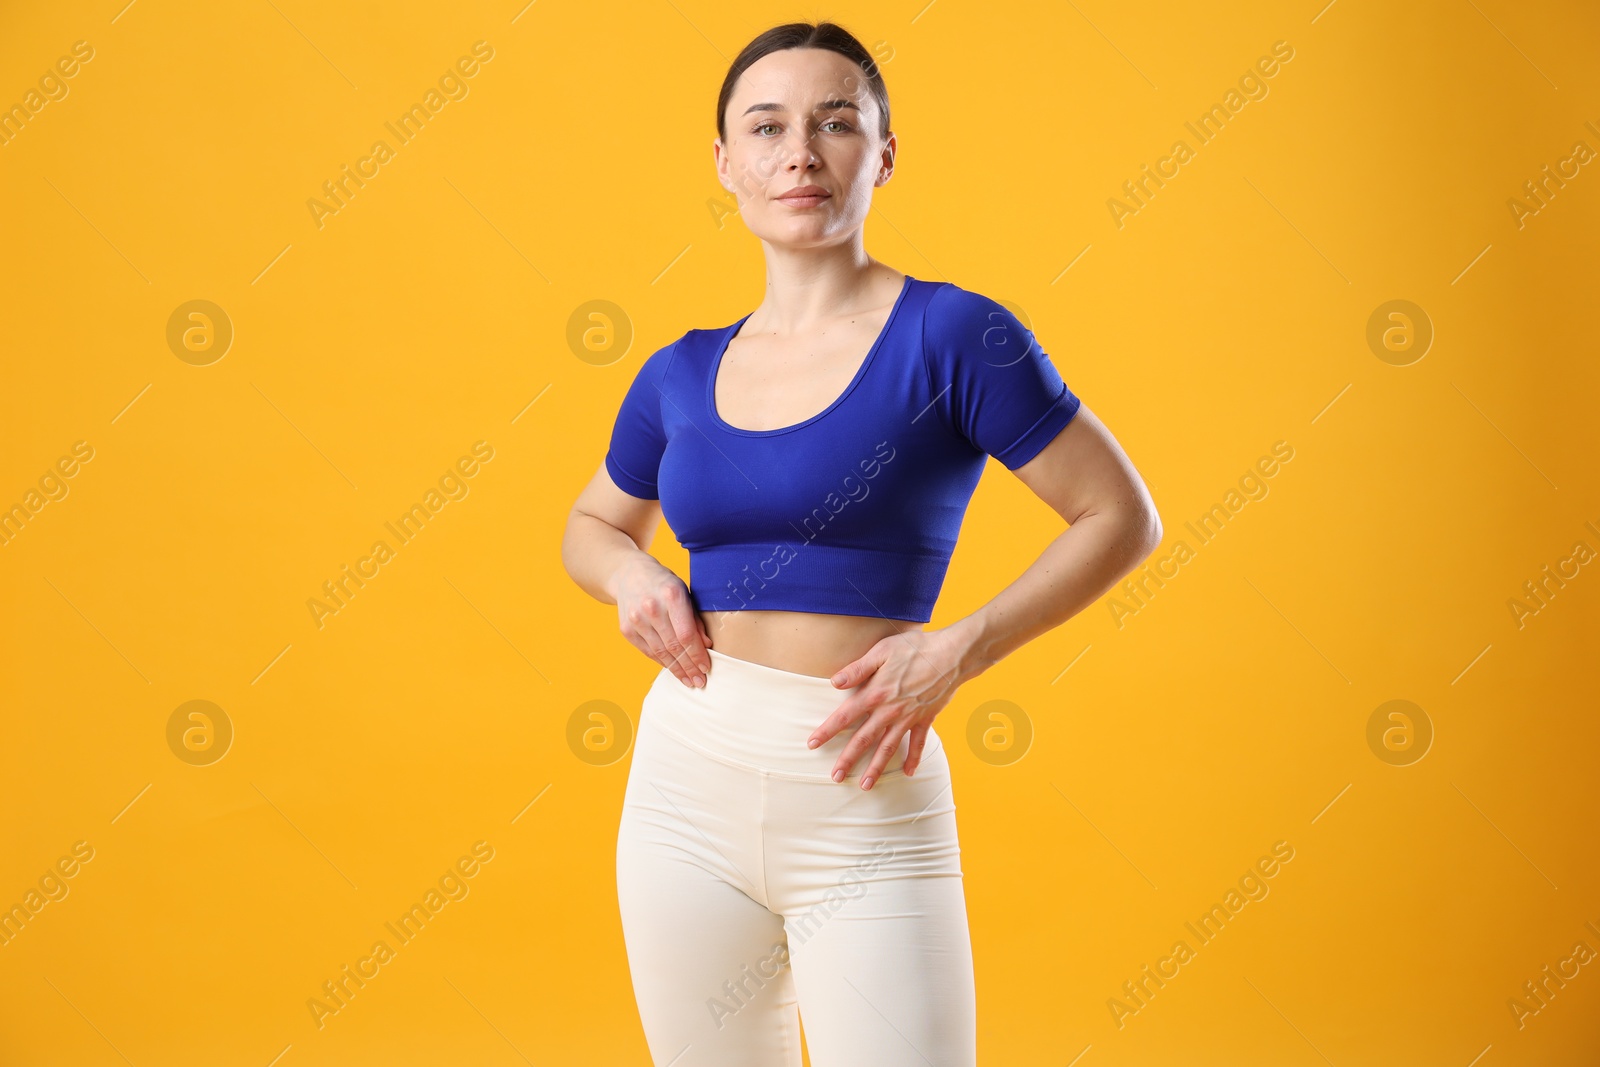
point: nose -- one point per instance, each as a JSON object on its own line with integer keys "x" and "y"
{"x": 798, "y": 150}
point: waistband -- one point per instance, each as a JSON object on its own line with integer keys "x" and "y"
{"x": 759, "y": 717}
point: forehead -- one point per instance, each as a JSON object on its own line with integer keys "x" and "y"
{"x": 801, "y": 78}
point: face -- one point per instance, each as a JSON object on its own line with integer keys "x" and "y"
{"x": 803, "y": 117}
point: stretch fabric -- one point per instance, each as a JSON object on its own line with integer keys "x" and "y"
{"x": 756, "y": 892}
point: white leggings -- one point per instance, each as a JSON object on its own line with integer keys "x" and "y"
{"x": 754, "y": 889}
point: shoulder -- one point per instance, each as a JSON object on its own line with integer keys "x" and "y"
{"x": 952, "y": 304}
{"x": 656, "y": 364}
{"x": 962, "y": 324}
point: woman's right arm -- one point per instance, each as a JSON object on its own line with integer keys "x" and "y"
{"x": 603, "y": 551}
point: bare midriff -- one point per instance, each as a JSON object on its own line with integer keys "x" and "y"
{"x": 801, "y": 642}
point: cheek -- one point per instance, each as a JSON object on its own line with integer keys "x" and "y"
{"x": 858, "y": 197}
{"x": 863, "y": 174}
{"x": 745, "y": 186}
{"x": 752, "y": 174}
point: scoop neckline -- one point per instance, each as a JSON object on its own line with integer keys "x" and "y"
{"x": 730, "y": 332}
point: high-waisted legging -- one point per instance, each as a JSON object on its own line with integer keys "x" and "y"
{"x": 756, "y": 891}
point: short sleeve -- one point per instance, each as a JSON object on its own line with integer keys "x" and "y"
{"x": 994, "y": 384}
{"x": 637, "y": 437}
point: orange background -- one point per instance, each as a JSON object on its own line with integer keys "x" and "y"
{"x": 444, "y": 304}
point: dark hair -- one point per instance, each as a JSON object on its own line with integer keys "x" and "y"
{"x": 824, "y": 35}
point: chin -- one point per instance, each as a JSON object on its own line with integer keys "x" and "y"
{"x": 811, "y": 237}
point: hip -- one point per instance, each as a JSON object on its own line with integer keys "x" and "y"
{"x": 756, "y": 717}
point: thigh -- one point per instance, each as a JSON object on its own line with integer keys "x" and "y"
{"x": 709, "y": 963}
{"x": 875, "y": 912}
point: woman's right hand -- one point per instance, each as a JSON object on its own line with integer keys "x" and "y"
{"x": 658, "y": 618}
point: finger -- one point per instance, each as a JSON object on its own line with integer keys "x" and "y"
{"x": 858, "y": 671}
{"x": 659, "y": 639}
{"x": 653, "y": 647}
{"x": 641, "y": 634}
{"x": 676, "y": 632}
{"x": 884, "y": 753}
{"x": 919, "y": 737}
{"x": 851, "y": 711}
{"x": 866, "y": 735}
{"x": 688, "y": 633}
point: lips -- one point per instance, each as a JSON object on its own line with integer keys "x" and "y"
{"x": 805, "y": 192}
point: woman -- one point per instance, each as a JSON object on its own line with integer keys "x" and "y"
{"x": 788, "y": 837}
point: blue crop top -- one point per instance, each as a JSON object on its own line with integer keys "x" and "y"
{"x": 855, "y": 510}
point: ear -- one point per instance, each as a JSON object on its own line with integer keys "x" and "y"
{"x": 858, "y": 671}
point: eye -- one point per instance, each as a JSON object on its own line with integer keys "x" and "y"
{"x": 844, "y": 126}
{"x": 763, "y": 126}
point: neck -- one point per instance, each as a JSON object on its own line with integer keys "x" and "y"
{"x": 808, "y": 288}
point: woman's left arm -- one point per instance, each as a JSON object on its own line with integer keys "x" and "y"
{"x": 1086, "y": 477}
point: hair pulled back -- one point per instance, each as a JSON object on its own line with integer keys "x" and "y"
{"x": 826, "y": 35}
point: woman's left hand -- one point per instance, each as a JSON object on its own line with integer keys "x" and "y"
{"x": 909, "y": 678}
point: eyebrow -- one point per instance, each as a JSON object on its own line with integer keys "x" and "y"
{"x": 826, "y": 105}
